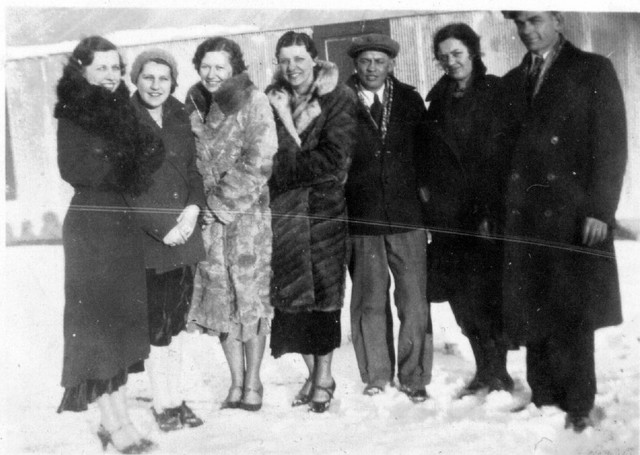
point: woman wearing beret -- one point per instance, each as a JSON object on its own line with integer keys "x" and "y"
{"x": 107, "y": 155}
{"x": 315, "y": 117}
{"x": 464, "y": 202}
{"x": 168, "y": 214}
{"x": 236, "y": 141}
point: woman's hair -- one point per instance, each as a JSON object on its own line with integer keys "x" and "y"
{"x": 217, "y": 44}
{"x": 84, "y": 53}
{"x": 468, "y": 37}
{"x": 292, "y": 38}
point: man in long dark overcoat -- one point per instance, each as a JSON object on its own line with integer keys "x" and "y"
{"x": 386, "y": 223}
{"x": 567, "y": 140}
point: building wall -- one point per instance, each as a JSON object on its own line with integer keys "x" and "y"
{"x": 41, "y": 195}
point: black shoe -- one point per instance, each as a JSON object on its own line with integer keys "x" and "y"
{"x": 302, "y": 398}
{"x": 252, "y": 406}
{"x": 168, "y": 420}
{"x": 577, "y": 421}
{"x": 235, "y": 404}
{"x": 322, "y": 406}
{"x": 500, "y": 383}
{"x": 417, "y": 395}
{"x": 141, "y": 446}
{"x": 188, "y": 417}
{"x": 476, "y": 385}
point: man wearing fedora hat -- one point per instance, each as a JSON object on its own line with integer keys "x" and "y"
{"x": 386, "y": 223}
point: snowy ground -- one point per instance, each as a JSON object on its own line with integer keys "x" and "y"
{"x": 355, "y": 424}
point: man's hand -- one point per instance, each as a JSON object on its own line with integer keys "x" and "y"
{"x": 594, "y": 231}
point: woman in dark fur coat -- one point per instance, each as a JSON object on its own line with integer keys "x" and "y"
{"x": 315, "y": 119}
{"x": 106, "y": 155}
{"x": 463, "y": 181}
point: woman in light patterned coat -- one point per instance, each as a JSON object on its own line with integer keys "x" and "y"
{"x": 236, "y": 141}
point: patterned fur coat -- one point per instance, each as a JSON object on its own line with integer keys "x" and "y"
{"x": 235, "y": 147}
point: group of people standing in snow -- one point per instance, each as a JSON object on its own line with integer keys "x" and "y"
{"x": 238, "y": 213}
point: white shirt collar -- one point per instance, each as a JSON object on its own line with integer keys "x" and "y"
{"x": 369, "y": 95}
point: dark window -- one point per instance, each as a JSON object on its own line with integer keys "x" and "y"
{"x": 334, "y": 40}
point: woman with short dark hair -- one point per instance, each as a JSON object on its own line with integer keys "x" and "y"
{"x": 235, "y": 141}
{"x": 315, "y": 117}
{"x": 464, "y": 200}
{"x": 107, "y": 155}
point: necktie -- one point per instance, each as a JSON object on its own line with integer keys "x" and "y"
{"x": 376, "y": 109}
{"x": 534, "y": 74}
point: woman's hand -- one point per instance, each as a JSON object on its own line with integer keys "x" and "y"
{"x": 174, "y": 237}
{"x": 279, "y": 99}
{"x": 188, "y": 219}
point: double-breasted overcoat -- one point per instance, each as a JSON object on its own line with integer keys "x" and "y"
{"x": 568, "y": 155}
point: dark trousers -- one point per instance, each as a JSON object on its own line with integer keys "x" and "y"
{"x": 371, "y": 323}
{"x": 561, "y": 370}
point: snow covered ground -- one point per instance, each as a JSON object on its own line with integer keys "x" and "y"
{"x": 355, "y": 424}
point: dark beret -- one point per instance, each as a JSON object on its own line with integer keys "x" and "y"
{"x": 373, "y": 42}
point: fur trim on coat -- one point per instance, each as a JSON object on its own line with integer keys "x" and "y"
{"x": 132, "y": 148}
{"x": 325, "y": 82}
{"x": 307, "y": 189}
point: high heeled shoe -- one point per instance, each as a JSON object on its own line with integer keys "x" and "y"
{"x": 252, "y": 406}
{"x": 322, "y": 406}
{"x": 106, "y": 438}
{"x": 302, "y": 398}
{"x": 232, "y": 404}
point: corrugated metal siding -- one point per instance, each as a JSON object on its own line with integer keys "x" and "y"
{"x": 416, "y": 63}
{"x": 31, "y": 90}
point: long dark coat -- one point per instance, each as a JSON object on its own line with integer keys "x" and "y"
{"x": 463, "y": 183}
{"x": 382, "y": 188}
{"x": 308, "y": 199}
{"x": 105, "y": 154}
{"x": 569, "y": 151}
{"x": 176, "y": 185}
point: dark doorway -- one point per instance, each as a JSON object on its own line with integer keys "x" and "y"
{"x": 334, "y": 40}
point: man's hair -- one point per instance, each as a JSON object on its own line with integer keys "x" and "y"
{"x": 512, "y": 15}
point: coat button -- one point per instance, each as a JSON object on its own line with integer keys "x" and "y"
{"x": 548, "y": 213}
{"x": 554, "y": 140}
{"x": 376, "y": 153}
{"x": 551, "y": 176}
{"x": 515, "y": 176}
{"x": 176, "y": 195}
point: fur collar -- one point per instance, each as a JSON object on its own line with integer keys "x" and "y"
{"x": 198, "y": 99}
{"x": 325, "y": 81}
{"x": 130, "y": 146}
{"x": 234, "y": 93}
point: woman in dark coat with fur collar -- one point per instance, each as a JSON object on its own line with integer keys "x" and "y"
{"x": 464, "y": 193}
{"x": 106, "y": 155}
{"x": 315, "y": 118}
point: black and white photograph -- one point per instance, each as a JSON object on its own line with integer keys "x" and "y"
{"x": 384, "y": 227}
